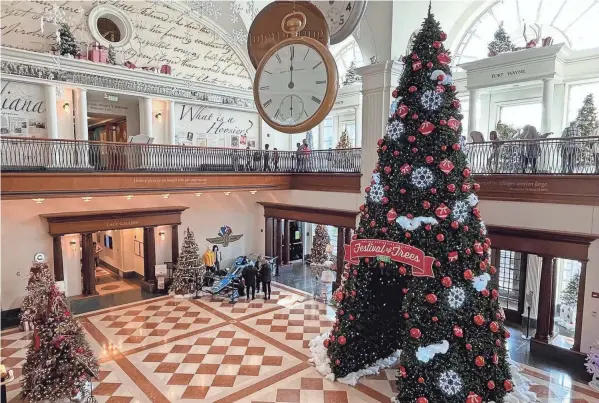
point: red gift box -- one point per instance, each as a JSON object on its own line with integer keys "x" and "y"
{"x": 94, "y": 53}
{"x": 165, "y": 69}
{"x": 103, "y": 54}
{"x": 129, "y": 65}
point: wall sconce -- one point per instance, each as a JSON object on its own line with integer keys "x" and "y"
{"x": 227, "y": 193}
{"x": 66, "y": 107}
{"x": 38, "y": 201}
{"x": 73, "y": 245}
{"x": 166, "y": 195}
{"x": 87, "y": 198}
{"x": 158, "y": 116}
{"x": 253, "y": 192}
{"x": 198, "y": 194}
{"x": 162, "y": 235}
{"x": 129, "y": 197}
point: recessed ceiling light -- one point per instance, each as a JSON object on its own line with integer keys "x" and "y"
{"x": 86, "y": 198}
{"x": 129, "y": 197}
{"x": 253, "y": 192}
{"x": 38, "y": 201}
{"x": 198, "y": 194}
{"x": 227, "y": 193}
{"x": 166, "y": 195}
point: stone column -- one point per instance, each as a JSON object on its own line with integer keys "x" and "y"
{"x": 473, "y": 101}
{"x": 268, "y": 236}
{"x": 348, "y": 234}
{"x": 548, "y": 87}
{"x": 175, "y": 243}
{"x": 278, "y": 243}
{"x": 171, "y": 122}
{"x": 544, "y": 331}
{"x": 336, "y": 131}
{"x": 81, "y": 128}
{"x": 378, "y": 81}
{"x": 145, "y": 117}
{"x": 51, "y": 126}
{"x": 321, "y": 136}
{"x": 88, "y": 264}
{"x": 358, "y": 120}
{"x": 580, "y": 306}
{"x": 57, "y": 257}
{"x": 340, "y": 252}
{"x": 149, "y": 283}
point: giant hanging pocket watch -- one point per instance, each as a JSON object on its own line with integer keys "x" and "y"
{"x": 296, "y": 81}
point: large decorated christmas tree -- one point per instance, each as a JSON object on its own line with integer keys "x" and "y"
{"x": 36, "y": 300}
{"x": 59, "y": 361}
{"x": 587, "y": 117}
{"x": 184, "y": 277}
{"x": 321, "y": 240}
{"x": 344, "y": 141}
{"x": 419, "y": 276}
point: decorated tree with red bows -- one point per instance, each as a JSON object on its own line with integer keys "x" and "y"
{"x": 59, "y": 361}
{"x": 421, "y": 227}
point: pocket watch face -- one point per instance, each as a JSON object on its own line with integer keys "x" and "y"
{"x": 292, "y": 84}
{"x": 342, "y": 17}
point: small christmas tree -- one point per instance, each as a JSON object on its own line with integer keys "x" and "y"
{"x": 344, "y": 141}
{"x": 111, "y": 55}
{"x": 320, "y": 242}
{"x": 587, "y": 117}
{"x": 35, "y": 302}
{"x": 570, "y": 293}
{"x": 184, "y": 278}
{"x": 351, "y": 76}
{"x": 506, "y": 131}
{"x": 59, "y": 361}
{"x": 65, "y": 42}
{"x": 501, "y": 43}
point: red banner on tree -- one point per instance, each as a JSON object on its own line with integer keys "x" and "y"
{"x": 422, "y": 266}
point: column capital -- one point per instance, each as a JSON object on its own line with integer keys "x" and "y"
{"x": 379, "y": 76}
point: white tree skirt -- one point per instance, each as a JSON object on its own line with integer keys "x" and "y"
{"x": 322, "y": 362}
{"x": 179, "y": 296}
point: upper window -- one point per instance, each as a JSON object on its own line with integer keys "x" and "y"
{"x": 109, "y": 30}
{"x": 345, "y": 53}
{"x": 566, "y": 21}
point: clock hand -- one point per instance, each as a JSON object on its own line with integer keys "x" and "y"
{"x": 291, "y": 106}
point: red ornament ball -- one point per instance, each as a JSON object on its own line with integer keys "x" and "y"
{"x": 456, "y": 147}
{"x": 342, "y": 340}
{"x": 412, "y": 88}
{"x": 455, "y": 224}
{"x": 457, "y": 331}
{"x": 494, "y": 294}
{"x": 351, "y": 317}
{"x": 466, "y": 228}
{"x": 415, "y": 333}
{"x": 395, "y": 93}
{"x": 476, "y": 186}
{"x": 429, "y": 65}
{"x": 451, "y": 187}
{"x": 428, "y": 227}
{"x": 414, "y": 116}
{"x": 387, "y": 170}
{"x": 506, "y": 334}
{"x": 384, "y": 148}
{"x": 426, "y": 204}
{"x": 443, "y": 122}
{"x": 485, "y": 292}
{"x": 402, "y": 270}
{"x": 366, "y": 260}
{"x": 411, "y": 139}
{"x": 437, "y": 264}
{"x": 491, "y": 385}
{"x": 381, "y": 264}
{"x": 385, "y": 200}
{"x": 440, "y": 237}
{"x": 441, "y": 77}
{"x": 465, "y": 187}
{"x": 495, "y": 359}
{"x": 479, "y": 361}
{"x": 353, "y": 293}
{"x": 367, "y": 189}
{"x": 380, "y": 142}
{"x": 498, "y": 343}
{"x": 507, "y": 385}
{"x": 435, "y": 319}
{"x": 443, "y": 148}
{"x": 402, "y": 371}
{"x": 468, "y": 251}
{"x": 406, "y": 315}
{"x": 420, "y": 380}
{"x": 414, "y": 56}
{"x": 355, "y": 272}
{"x": 410, "y": 215}
{"x": 479, "y": 320}
{"x": 326, "y": 343}
{"x": 468, "y": 275}
{"x": 402, "y": 191}
{"x": 452, "y": 87}
{"x": 422, "y": 399}
{"x": 433, "y": 190}
{"x": 468, "y": 346}
{"x": 372, "y": 224}
{"x": 337, "y": 362}
{"x": 494, "y": 327}
{"x": 455, "y": 103}
{"x": 466, "y": 172}
{"x": 446, "y": 281}
{"x": 362, "y": 207}
{"x": 442, "y": 36}
{"x": 414, "y": 150}
{"x": 386, "y": 188}
{"x": 384, "y": 230}
{"x": 429, "y": 159}
{"x": 408, "y": 235}
{"x": 431, "y": 298}
{"x": 436, "y": 44}
{"x": 396, "y": 153}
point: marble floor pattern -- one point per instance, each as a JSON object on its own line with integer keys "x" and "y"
{"x": 206, "y": 350}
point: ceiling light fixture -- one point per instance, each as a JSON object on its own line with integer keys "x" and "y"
{"x": 227, "y": 193}
{"x": 158, "y": 117}
{"x": 253, "y": 192}
{"x": 198, "y": 194}
{"x": 66, "y": 107}
{"x": 129, "y": 197}
{"x": 86, "y": 198}
{"x": 38, "y": 201}
{"x": 166, "y": 195}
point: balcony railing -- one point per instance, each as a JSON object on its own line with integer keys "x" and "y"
{"x": 38, "y": 155}
{"x": 560, "y": 156}
{"x": 576, "y": 155}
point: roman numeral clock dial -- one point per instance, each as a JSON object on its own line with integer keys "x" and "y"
{"x": 296, "y": 84}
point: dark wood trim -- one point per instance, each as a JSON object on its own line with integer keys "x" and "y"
{"x": 268, "y": 235}
{"x": 286, "y": 245}
{"x": 175, "y": 243}
{"x": 316, "y": 215}
{"x": 10, "y": 318}
{"x": 149, "y": 254}
{"x": 57, "y": 258}
{"x": 93, "y": 221}
{"x": 522, "y": 284}
{"x": 88, "y": 264}
{"x": 323, "y": 182}
{"x": 580, "y": 306}
{"x": 279, "y": 241}
{"x": 340, "y": 254}
{"x": 554, "y": 189}
{"x": 544, "y": 331}
{"x": 553, "y": 298}
{"x": 568, "y": 245}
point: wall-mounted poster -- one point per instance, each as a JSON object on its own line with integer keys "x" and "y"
{"x": 220, "y": 127}
{"x": 23, "y": 110}
{"x": 202, "y": 142}
{"x": 252, "y": 144}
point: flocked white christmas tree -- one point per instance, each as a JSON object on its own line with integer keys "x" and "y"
{"x": 184, "y": 277}
{"x": 36, "y": 300}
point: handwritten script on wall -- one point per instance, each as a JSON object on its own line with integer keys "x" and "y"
{"x": 161, "y": 35}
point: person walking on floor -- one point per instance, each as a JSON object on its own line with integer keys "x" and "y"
{"x": 266, "y": 275}
{"x": 258, "y": 274}
{"x": 249, "y": 276}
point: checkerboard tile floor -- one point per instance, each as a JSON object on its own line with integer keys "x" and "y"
{"x": 254, "y": 356}
{"x": 211, "y": 365}
{"x": 297, "y": 325}
{"x": 243, "y": 307}
{"x": 141, "y": 325}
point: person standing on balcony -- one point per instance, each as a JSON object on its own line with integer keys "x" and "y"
{"x": 248, "y": 159}
{"x": 532, "y": 148}
{"x": 266, "y": 158}
{"x": 275, "y": 159}
{"x": 493, "y": 160}
{"x": 569, "y": 147}
{"x": 298, "y": 157}
{"x": 306, "y": 154}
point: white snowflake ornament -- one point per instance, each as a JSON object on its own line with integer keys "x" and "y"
{"x": 460, "y": 211}
{"x": 422, "y": 178}
{"x": 450, "y": 383}
{"x": 395, "y": 129}
{"x": 456, "y": 297}
{"x": 431, "y": 100}
{"x": 377, "y": 192}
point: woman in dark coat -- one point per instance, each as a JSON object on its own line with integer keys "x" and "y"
{"x": 266, "y": 275}
{"x": 249, "y": 276}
